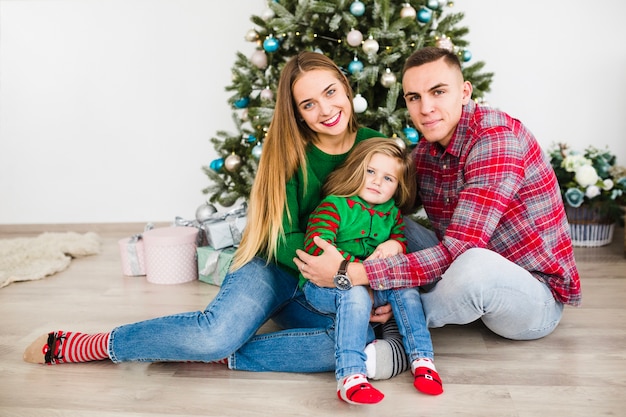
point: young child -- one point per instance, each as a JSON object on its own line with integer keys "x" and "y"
{"x": 362, "y": 215}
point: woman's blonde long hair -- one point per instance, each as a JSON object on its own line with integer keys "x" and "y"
{"x": 348, "y": 179}
{"x": 284, "y": 151}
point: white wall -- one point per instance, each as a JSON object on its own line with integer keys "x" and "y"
{"x": 107, "y": 106}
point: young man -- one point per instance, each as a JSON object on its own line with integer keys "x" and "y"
{"x": 504, "y": 253}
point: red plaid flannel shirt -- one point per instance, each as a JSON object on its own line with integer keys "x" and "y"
{"x": 492, "y": 188}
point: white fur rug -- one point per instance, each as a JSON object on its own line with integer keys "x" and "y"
{"x": 31, "y": 258}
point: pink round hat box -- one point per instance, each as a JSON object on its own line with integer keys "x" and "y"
{"x": 170, "y": 254}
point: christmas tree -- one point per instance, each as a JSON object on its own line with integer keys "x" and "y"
{"x": 368, "y": 39}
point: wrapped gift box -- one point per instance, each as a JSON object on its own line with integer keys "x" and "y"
{"x": 213, "y": 264}
{"x": 132, "y": 254}
{"x": 170, "y": 255}
{"x": 224, "y": 233}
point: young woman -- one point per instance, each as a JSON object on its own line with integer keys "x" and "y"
{"x": 362, "y": 215}
{"x": 312, "y": 132}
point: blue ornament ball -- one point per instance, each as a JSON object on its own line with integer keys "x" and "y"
{"x": 257, "y": 150}
{"x": 433, "y": 4}
{"x": 217, "y": 164}
{"x": 355, "y": 66}
{"x": 251, "y": 138}
{"x": 411, "y": 134}
{"x": 424, "y": 15}
{"x": 357, "y": 8}
{"x": 467, "y": 55}
{"x": 242, "y": 103}
{"x": 271, "y": 44}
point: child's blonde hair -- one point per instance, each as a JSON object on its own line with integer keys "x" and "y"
{"x": 348, "y": 179}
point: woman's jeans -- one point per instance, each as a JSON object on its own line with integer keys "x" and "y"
{"x": 246, "y": 300}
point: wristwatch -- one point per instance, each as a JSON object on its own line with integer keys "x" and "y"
{"x": 342, "y": 281}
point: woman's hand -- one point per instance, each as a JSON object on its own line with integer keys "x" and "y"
{"x": 321, "y": 269}
{"x": 381, "y": 314}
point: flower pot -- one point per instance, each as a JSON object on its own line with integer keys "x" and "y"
{"x": 588, "y": 228}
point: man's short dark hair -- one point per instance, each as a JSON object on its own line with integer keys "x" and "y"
{"x": 431, "y": 54}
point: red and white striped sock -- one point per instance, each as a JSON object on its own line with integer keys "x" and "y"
{"x": 67, "y": 347}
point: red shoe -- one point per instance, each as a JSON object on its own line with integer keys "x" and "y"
{"x": 356, "y": 389}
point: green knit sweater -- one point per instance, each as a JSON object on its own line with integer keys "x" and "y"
{"x": 301, "y": 202}
{"x": 355, "y": 227}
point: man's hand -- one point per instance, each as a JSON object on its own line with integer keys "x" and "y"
{"x": 321, "y": 269}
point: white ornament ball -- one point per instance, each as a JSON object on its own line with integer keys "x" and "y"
{"x": 204, "y": 212}
{"x": 408, "y": 11}
{"x": 445, "y": 43}
{"x": 401, "y": 144}
{"x": 232, "y": 162}
{"x": 267, "y": 94}
{"x": 354, "y": 38}
{"x": 257, "y": 151}
{"x": 252, "y": 35}
{"x": 388, "y": 78}
{"x": 267, "y": 14}
{"x": 259, "y": 59}
{"x": 370, "y": 46}
{"x": 359, "y": 103}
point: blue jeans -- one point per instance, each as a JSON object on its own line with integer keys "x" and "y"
{"x": 352, "y": 309}
{"x": 246, "y": 300}
{"x": 483, "y": 285}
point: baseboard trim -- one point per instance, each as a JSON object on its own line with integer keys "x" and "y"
{"x": 8, "y": 230}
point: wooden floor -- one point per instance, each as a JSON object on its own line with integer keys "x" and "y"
{"x": 579, "y": 370}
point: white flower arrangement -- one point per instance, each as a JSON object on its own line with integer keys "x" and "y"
{"x": 590, "y": 178}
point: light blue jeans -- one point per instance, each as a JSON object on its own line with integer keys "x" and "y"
{"x": 352, "y": 310}
{"x": 481, "y": 284}
{"x": 245, "y": 301}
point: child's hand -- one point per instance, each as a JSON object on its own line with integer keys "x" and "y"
{"x": 386, "y": 249}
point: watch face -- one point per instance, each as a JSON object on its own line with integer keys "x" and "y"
{"x": 342, "y": 282}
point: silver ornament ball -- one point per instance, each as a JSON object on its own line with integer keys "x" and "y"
{"x": 233, "y": 162}
{"x": 388, "y": 78}
{"x": 370, "y": 46}
{"x": 204, "y": 212}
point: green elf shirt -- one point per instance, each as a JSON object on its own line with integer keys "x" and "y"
{"x": 301, "y": 200}
{"x": 355, "y": 227}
